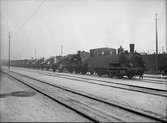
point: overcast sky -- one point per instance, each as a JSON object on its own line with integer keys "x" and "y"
{"x": 45, "y": 25}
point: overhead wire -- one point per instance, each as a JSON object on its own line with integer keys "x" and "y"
{"x": 27, "y": 20}
{"x": 33, "y": 14}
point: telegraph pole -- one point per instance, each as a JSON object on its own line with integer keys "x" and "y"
{"x": 35, "y": 53}
{"x": 61, "y": 50}
{"x": 156, "y": 31}
{"x": 9, "y": 53}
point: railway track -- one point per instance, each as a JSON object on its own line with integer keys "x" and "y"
{"x": 95, "y": 108}
{"x": 147, "y": 90}
{"x": 147, "y": 80}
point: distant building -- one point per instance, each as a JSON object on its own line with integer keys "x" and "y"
{"x": 102, "y": 51}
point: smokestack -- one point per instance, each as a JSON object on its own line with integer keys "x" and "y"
{"x": 132, "y": 47}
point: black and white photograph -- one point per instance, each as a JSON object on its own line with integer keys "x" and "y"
{"x": 83, "y": 61}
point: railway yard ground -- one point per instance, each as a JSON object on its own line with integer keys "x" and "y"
{"x": 21, "y": 103}
{"x": 39, "y": 95}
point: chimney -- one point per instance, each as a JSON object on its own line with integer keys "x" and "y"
{"x": 132, "y": 46}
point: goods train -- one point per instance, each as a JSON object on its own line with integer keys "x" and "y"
{"x": 150, "y": 63}
{"x": 98, "y": 61}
